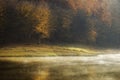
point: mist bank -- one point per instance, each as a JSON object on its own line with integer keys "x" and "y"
{"x": 93, "y": 22}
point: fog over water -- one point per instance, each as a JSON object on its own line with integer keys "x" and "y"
{"x": 99, "y": 67}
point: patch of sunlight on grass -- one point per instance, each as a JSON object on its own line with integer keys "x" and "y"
{"x": 81, "y": 50}
{"x": 46, "y": 50}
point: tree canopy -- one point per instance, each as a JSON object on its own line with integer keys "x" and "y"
{"x": 71, "y": 21}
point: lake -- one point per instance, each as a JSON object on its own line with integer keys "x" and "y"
{"x": 98, "y": 67}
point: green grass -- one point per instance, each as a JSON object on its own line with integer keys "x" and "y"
{"x": 46, "y": 50}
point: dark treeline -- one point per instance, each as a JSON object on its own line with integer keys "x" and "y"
{"x": 70, "y": 21}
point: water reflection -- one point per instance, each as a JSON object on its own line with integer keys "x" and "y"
{"x": 40, "y": 70}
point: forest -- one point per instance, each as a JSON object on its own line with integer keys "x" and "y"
{"x": 89, "y": 22}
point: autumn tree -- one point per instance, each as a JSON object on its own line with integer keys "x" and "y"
{"x": 26, "y": 22}
{"x": 42, "y": 15}
{"x": 60, "y": 22}
{"x": 97, "y": 11}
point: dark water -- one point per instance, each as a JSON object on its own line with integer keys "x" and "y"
{"x": 65, "y": 68}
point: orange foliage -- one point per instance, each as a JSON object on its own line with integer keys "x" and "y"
{"x": 39, "y": 14}
{"x": 98, "y": 8}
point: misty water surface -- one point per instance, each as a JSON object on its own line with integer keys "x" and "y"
{"x": 99, "y": 67}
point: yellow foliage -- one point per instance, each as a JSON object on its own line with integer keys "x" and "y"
{"x": 25, "y": 8}
{"x": 42, "y": 15}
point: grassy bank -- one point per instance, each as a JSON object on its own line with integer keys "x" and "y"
{"x": 46, "y": 50}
